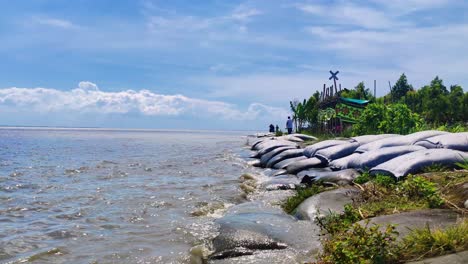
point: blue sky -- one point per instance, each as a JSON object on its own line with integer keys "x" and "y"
{"x": 215, "y": 64}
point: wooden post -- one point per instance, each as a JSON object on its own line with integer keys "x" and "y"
{"x": 324, "y": 92}
{"x": 375, "y": 89}
{"x": 340, "y": 87}
{"x": 334, "y": 81}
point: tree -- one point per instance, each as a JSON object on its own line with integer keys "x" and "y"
{"x": 293, "y": 105}
{"x": 359, "y": 92}
{"x": 401, "y": 88}
{"x": 380, "y": 118}
{"x": 435, "y": 102}
{"x": 456, "y": 103}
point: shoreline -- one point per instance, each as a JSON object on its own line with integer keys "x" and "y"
{"x": 266, "y": 196}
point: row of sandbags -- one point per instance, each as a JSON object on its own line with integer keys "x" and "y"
{"x": 388, "y": 154}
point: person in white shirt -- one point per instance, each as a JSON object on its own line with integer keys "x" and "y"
{"x": 289, "y": 125}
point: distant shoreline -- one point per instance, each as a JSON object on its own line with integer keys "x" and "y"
{"x": 5, "y": 127}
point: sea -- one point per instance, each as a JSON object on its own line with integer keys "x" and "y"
{"x": 114, "y": 196}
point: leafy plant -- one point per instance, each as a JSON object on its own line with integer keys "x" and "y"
{"x": 362, "y": 244}
{"x": 419, "y": 187}
{"x": 302, "y": 193}
{"x": 384, "y": 180}
{"x": 334, "y": 223}
{"x": 426, "y": 242}
{"x": 363, "y": 178}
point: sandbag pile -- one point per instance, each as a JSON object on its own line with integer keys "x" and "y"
{"x": 388, "y": 154}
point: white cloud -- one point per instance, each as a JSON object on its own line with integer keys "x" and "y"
{"x": 350, "y": 14}
{"x": 409, "y": 6}
{"x": 54, "y": 22}
{"x": 244, "y": 14}
{"x": 88, "y": 98}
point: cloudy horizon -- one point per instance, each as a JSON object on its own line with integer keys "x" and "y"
{"x": 216, "y": 64}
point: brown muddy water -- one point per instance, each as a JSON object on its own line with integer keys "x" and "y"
{"x": 114, "y": 196}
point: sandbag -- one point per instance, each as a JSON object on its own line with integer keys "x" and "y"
{"x": 455, "y": 141}
{"x": 290, "y": 153}
{"x": 371, "y": 138}
{"x": 310, "y": 151}
{"x": 301, "y": 165}
{"x": 304, "y": 137}
{"x": 399, "y": 140}
{"x": 282, "y": 164}
{"x": 373, "y": 158}
{"x": 343, "y": 163}
{"x": 342, "y": 177}
{"x": 336, "y": 152}
{"x": 265, "y": 158}
{"x": 290, "y": 138}
{"x": 415, "y": 162}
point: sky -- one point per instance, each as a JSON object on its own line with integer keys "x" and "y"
{"x": 212, "y": 64}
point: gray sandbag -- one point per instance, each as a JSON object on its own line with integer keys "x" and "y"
{"x": 371, "y": 138}
{"x": 343, "y": 163}
{"x": 373, "y": 158}
{"x": 407, "y": 221}
{"x": 266, "y": 157}
{"x": 455, "y": 141}
{"x": 273, "y": 142}
{"x": 309, "y": 151}
{"x": 269, "y": 147}
{"x": 305, "y": 164}
{"x": 290, "y": 138}
{"x": 256, "y": 226}
{"x": 281, "y": 183}
{"x": 342, "y": 177}
{"x": 415, "y": 162}
{"x": 282, "y": 164}
{"x": 325, "y": 203}
{"x": 290, "y": 153}
{"x": 301, "y": 174}
{"x": 257, "y": 142}
{"x": 336, "y": 152}
{"x": 304, "y": 137}
{"x": 399, "y": 140}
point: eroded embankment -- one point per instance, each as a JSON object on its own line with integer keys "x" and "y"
{"x": 299, "y": 210}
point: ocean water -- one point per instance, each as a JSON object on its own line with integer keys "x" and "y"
{"x": 113, "y": 196}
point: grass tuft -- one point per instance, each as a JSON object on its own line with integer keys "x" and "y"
{"x": 302, "y": 194}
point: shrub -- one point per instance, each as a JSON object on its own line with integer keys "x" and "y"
{"x": 362, "y": 244}
{"x": 419, "y": 187}
{"x": 335, "y": 223}
{"x": 363, "y": 178}
{"x": 385, "y": 181}
{"x": 300, "y": 196}
{"x": 426, "y": 242}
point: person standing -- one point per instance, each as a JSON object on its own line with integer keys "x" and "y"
{"x": 289, "y": 125}
{"x": 272, "y": 128}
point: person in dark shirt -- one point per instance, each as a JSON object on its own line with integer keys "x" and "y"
{"x": 272, "y": 128}
{"x": 289, "y": 125}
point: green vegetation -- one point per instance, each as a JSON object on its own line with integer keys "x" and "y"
{"x": 349, "y": 242}
{"x": 278, "y": 133}
{"x": 364, "y": 244}
{"x": 427, "y": 243}
{"x": 404, "y": 110}
{"x": 383, "y": 119}
{"x": 361, "y": 244}
{"x": 301, "y": 195}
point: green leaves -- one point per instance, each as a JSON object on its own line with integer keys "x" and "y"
{"x": 381, "y": 119}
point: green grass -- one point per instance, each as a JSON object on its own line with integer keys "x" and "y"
{"x": 348, "y": 242}
{"x": 423, "y": 243}
{"x": 302, "y": 193}
{"x": 368, "y": 244}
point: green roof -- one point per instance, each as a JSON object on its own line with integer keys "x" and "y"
{"x": 354, "y": 101}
